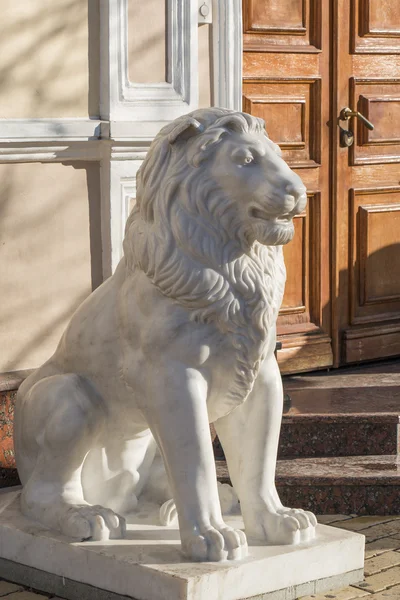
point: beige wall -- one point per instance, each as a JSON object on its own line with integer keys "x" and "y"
{"x": 44, "y": 58}
{"x": 45, "y": 257}
{"x": 50, "y": 246}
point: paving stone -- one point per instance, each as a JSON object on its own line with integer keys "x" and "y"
{"x": 347, "y": 593}
{"x": 390, "y": 529}
{"x": 382, "y": 562}
{"x": 330, "y": 519}
{"x": 25, "y": 595}
{"x": 380, "y": 581}
{"x": 361, "y": 523}
{"x": 6, "y": 587}
{"x": 390, "y": 594}
{"x": 382, "y": 545}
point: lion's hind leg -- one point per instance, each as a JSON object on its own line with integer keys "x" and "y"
{"x": 115, "y": 475}
{"x": 59, "y": 421}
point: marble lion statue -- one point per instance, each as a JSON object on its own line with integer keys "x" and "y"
{"x": 182, "y": 335}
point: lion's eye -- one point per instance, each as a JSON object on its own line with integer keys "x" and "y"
{"x": 242, "y": 156}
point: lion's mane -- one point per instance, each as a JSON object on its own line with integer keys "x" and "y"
{"x": 185, "y": 236}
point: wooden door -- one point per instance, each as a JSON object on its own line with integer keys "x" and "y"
{"x": 366, "y": 210}
{"x": 304, "y": 61}
{"x": 286, "y": 82}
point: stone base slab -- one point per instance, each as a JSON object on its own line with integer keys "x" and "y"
{"x": 148, "y": 564}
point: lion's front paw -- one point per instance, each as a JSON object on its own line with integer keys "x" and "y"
{"x": 306, "y": 519}
{"x": 92, "y": 522}
{"x": 214, "y": 544}
{"x": 285, "y": 526}
{"x": 227, "y": 497}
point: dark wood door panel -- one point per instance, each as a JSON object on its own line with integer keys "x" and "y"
{"x": 377, "y": 175}
{"x": 295, "y": 299}
{"x": 275, "y": 16}
{"x": 305, "y": 311}
{"x": 382, "y": 17}
{"x": 379, "y": 101}
{"x": 375, "y": 26}
{"x": 291, "y": 109}
{"x": 301, "y": 307}
{"x": 371, "y": 343}
{"x": 375, "y": 255}
{"x": 259, "y": 65}
{"x": 280, "y": 25}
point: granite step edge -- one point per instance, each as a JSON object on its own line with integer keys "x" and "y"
{"x": 350, "y": 471}
{"x": 342, "y": 417}
{"x": 350, "y": 492}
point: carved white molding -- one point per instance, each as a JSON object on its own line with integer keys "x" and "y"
{"x": 51, "y": 129}
{"x": 128, "y": 192}
{"x": 153, "y": 103}
{"x": 144, "y": 104}
{"x": 128, "y": 152}
{"x": 227, "y": 53}
{"x": 47, "y": 152}
{"x": 135, "y": 130}
{"x": 119, "y": 177}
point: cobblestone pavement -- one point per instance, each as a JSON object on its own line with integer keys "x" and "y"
{"x": 382, "y": 558}
{"x": 382, "y": 563}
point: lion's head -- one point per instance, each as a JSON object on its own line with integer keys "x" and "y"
{"x": 228, "y": 155}
{"x": 215, "y": 200}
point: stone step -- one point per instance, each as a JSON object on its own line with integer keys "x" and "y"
{"x": 9, "y": 384}
{"x": 319, "y": 435}
{"x": 350, "y": 412}
{"x": 308, "y": 436}
{"x": 362, "y": 485}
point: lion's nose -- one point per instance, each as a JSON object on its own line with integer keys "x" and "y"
{"x": 295, "y": 198}
{"x": 295, "y": 190}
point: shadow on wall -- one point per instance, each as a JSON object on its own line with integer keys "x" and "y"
{"x": 50, "y": 255}
{"x": 45, "y": 61}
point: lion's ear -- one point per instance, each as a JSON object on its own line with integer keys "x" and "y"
{"x": 263, "y": 126}
{"x": 185, "y": 130}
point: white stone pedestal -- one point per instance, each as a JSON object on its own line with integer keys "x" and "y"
{"x": 148, "y": 565}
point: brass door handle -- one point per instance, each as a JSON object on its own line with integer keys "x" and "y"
{"x": 346, "y": 114}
